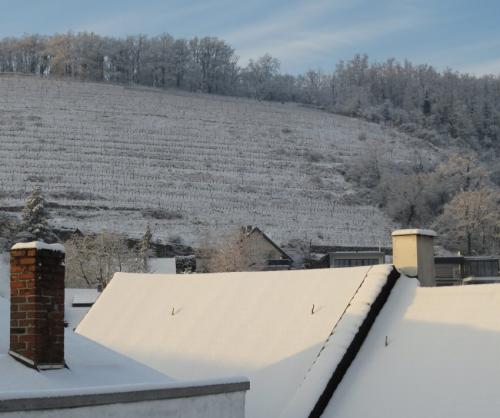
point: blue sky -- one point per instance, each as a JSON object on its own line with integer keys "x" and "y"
{"x": 461, "y": 34}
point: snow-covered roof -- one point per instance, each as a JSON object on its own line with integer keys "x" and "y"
{"x": 92, "y": 368}
{"x": 95, "y": 375}
{"x": 425, "y": 232}
{"x": 432, "y": 352}
{"x": 336, "y": 346}
{"x": 82, "y": 296}
{"x": 163, "y": 265}
{"x": 38, "y": 245}
{"x": 269, "y": 326}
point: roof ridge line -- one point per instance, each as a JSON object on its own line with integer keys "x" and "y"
{"x": 337, "y": 354}
{"x": 336, "y": 323}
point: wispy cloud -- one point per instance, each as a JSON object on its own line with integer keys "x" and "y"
{"x": 485, "y": 67}
{"x": 302, "y": 43}
{"x": 286, "y": 21}
{"x": 294, "y": 36}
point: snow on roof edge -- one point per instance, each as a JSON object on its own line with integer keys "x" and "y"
{"x": 425, "y": 232}
{"x": 336, "y": 345}
{"x": 117, "y": 388}
{"x": 38, "y": 245}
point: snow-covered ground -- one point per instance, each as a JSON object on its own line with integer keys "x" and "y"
{"x": 118, "y": 158}
{"x": 4, "y": 275}
{"x": 269, "y": 326}
{"x": 432, "y": 352}
{"x": 79, "y": 297}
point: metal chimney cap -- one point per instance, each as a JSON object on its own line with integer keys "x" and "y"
{"x": 424, "y": 232}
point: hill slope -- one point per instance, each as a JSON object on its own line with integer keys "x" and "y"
{"x": 116, "y": 158}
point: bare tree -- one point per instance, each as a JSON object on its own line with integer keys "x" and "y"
{"x": 231, "y": 252}
{"x": 471, "y": 222}
{"x": 92, "y": 260}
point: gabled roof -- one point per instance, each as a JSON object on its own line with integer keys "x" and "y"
{"x": 254, "y": 230}
{"x": 269, "y": 326}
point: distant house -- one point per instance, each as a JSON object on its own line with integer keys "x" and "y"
{"x": 452, "y": 270}
{"x": 266, "y": 253}
{"x": 259, "y": 251}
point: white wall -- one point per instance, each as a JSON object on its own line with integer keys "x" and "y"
{"x": 230, "y": 405}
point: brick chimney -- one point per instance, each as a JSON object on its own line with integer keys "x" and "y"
{"x": 37, "y": 304}
{"x": 413, "y": 254}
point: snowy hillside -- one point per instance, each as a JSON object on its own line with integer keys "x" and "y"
{"x": 119, "y": 157}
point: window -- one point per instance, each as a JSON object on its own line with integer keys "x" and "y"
{"x": 354, "y": 262}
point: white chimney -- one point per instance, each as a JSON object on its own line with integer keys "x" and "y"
{"x": 413, "y": 254}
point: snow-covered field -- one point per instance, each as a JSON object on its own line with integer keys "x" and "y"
{"x": 108, "y": 153}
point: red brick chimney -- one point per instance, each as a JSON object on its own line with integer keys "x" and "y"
{"x": 37, "y": 304}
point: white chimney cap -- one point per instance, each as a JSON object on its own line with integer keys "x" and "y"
{"x": 38, "y": 245}
{"x": 425, "y": 232}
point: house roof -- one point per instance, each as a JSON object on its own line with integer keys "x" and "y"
{"x": 461, "y": 258}
{"x": 356, "y": 253}
{"x": 270, "y": 326}
{"x": 424, "y": 232}
{"x": 455, "y": 259}
{"x": 92, "y": 368}
{"x": 433, "y": 352}
{"x": 255, "y": 230}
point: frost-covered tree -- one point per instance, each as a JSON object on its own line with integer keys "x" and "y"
{"x": 8, "y": 228}
{"x": 230, "y": 252}
{"x": 34, "y": 216}
{"x": 442, "y": 106}
{"x": 145, "y": 248}
{"x": 259, "y": 77}
{"x": 92, "y": 260}
{"x": 471, "y": 222}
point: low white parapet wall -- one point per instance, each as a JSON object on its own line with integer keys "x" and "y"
{"x": 225, "y": 400}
